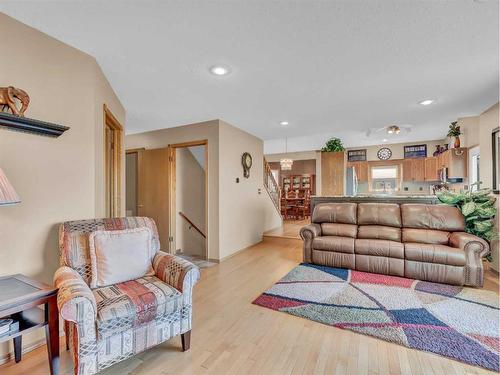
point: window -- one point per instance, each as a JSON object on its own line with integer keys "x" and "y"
{"x": 384, "y": 179}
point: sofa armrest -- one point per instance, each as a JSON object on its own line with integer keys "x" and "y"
{"x": 475, "y": 249}
{"x": 469, "y": 243}
{"x": 177, "y": 272}
{"x": 75, "y": 300}
{"x": 308, "y": 233}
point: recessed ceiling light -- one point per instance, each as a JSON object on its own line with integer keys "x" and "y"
{"x": 426, "y": 102}
{"x": 384, "y": 140}
{"x": 219, "y": 70}
{"x": 284, "y": 123}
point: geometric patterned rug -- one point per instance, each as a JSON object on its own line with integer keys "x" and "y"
{"x": 457, "y": 322}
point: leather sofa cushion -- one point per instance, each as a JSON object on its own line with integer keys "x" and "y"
{"x": 383, "y": 248}
{"x": 426, "y": 236}
{"x": 335, "y": 213}
{"x": 437, "y": 273}
{"x": 381, "y": 265}
{"x": 432, "y": 253}
{"x": 388, "y": 214}
{"x": 342, "y": 230}
{"x": 439, "y": 217}
{"x": 334, "y": 243}
{"x": 333, "y": 259}
{"x": 379, "y": 232}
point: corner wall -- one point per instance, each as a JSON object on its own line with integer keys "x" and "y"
{"x": 56, "y": 178}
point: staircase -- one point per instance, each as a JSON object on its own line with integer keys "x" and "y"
{"x": 272, "y": 186}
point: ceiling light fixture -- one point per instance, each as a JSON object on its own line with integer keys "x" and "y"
{"x": 219, "y": 70}
{"x": 384, "y": 140}
{"x": 284, "y": 123}
{"x": 286, "y": 163}
{"x": 426, "y": 102}
{"x": 394, "y": 129}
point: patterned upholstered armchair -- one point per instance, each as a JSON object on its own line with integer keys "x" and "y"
{"x": 109, "y": 324}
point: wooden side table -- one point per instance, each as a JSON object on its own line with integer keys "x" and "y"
{"x": 20, "y": 298}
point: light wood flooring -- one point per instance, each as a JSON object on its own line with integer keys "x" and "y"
{"x": 289, "y": 229}
{"x": 232, "y": 336}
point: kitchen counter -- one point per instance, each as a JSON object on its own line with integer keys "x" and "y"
{"x": 376, "y": 198}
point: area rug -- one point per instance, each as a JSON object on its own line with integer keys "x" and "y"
{"x": 457, "y": 322}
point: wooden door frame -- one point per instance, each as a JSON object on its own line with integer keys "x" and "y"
{"x": 136, "y": 152}
{"x": 109, "y": 120}
{"x": 172, "y": 191}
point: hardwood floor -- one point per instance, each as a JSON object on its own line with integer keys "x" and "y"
{"x": 232, "y": 336}
{"x": 289, "y": 229}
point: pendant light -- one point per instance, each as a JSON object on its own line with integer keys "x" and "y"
{"x": 286, "y": 163}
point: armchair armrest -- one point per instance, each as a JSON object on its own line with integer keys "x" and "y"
{"x": 308, "y": 233}
{"x": 469, "y": 243}
{"x": 177, "y": 272}
{"x": 475, "y": 249}
{"x": 75, "y": 300}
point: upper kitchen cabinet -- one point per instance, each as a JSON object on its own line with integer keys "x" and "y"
{"x": 418, "y": 169}
{"x": 361, "y": 168}
{"x": 431, "y": 169}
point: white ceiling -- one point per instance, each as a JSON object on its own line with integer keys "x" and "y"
{"x": 330, "y": 68}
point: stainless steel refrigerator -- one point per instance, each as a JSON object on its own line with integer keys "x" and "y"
{"x": 351, "y": 183}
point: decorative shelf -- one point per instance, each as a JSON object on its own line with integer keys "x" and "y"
{"x": 28, "y": 125}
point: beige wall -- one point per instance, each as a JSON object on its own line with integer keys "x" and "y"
{"x": 237, "y": 213}
{"x": 57, "y": 179}
{"x": 243, "y": 206}
{"x": 190, "y": 200}
{"x": 470, "y": 131}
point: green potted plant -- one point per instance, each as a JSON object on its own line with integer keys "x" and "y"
{"x": 454, "y": 131}
{"x": 478, "y": 208}
{"x": 333, "y": 145}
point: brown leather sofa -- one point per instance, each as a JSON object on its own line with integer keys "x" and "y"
{"x": 418, "y": 241}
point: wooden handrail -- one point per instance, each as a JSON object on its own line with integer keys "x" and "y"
{"x": 272, "y": 186}
{"x": 192, "y": 224}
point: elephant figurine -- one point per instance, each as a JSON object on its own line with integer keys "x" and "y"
{"x": 8, "y": 96}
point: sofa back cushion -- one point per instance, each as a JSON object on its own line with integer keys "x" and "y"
{"x": 117, "y": 256}
{"x": 339, "y": 229}
{"x": 387, "y": 214}
{"x": 74, "y": 239}
{"x": 379, "y": 232}
{"x": 437, "y": 217}
{"x": 430, "y": 236}
{"x": 335, "y": 213}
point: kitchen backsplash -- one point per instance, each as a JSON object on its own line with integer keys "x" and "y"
{"x": 411, "y": 188}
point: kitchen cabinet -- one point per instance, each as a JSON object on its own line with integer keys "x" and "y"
{"x": 361, "y": 168}
{"x": 333, "y": 172}
{"x": 431, "y": 169}
{"x": 407, "y": 170}
{"x": 413, "y": 169}
{"x": 418, "y": 169}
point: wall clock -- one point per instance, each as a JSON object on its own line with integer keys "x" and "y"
{"x": 384, "y": 153}
{"x": 246, "y": 161}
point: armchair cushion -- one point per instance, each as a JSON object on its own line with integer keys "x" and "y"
{"x": 117, "y": 256}
{"x": 133, "y": 303}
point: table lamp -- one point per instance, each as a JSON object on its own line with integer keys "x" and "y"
{"x": 7, "y": 193}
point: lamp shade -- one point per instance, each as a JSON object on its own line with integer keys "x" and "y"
{"x": 7, "y": 193}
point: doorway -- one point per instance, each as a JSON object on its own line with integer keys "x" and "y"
{"x": 474, "y": 161}
{"x": 170, "y": 185}
{"x": 190, "y": 203}
{"x": 113, "y": 145}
